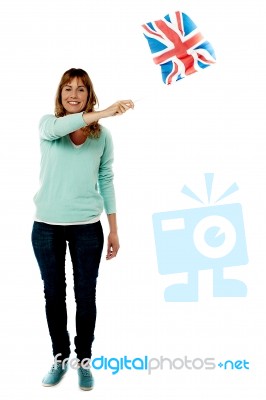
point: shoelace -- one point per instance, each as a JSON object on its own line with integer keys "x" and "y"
{"x": 55, "y": 368}
{"x": 85, "y": 371}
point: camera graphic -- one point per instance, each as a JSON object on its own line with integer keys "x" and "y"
{"x": 209, "y": 237}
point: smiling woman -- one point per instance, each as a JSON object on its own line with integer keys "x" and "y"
{"x": 74, "y": 96}
{"x": 77, "y": 157}
{"x": 75, "y": 93}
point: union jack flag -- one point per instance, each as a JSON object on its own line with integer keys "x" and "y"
{"x": 178, "y": 46}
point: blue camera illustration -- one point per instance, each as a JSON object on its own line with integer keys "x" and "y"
{"x": 190, "y": 240}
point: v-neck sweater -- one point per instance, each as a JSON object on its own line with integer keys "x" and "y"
{"x": 76, "y": 182}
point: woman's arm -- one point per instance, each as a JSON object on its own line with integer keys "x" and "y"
{"x": 106, "y": 188}
{"x": 117, "y": 108}
{"x": 52, "y": 128}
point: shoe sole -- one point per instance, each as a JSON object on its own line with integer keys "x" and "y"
{"x": 50, "y": 384}
{"x": 86, "y": 388}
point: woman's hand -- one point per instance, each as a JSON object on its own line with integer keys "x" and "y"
{"x": 118, "y": 108}
{"x": 112, "y": 245}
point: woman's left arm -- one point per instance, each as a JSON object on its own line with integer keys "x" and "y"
{"x": 107, "y": 191}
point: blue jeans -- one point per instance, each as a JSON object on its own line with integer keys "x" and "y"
{"x": 85, "y": 244}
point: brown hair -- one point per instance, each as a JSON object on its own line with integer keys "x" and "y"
{"x": 92, "y": 130}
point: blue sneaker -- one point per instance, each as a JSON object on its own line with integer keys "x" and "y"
{"x": 54, "y": 376}
{"x": 86, "y": 381}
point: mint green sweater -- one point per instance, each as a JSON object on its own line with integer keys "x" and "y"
{"x": 76, "y": 183}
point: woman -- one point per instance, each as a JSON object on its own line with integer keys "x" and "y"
{"x": 76, "y": 184}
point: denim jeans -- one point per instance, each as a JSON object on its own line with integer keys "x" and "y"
{"x": 85, "y": 244}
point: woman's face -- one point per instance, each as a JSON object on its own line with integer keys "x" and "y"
{"x": 74, "y": 96}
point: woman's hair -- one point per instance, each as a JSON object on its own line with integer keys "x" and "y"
{"x": 92, "y": 130}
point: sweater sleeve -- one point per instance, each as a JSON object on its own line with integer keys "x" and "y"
{"x": 105, "y": 178}
{"x": 52, "y": 128}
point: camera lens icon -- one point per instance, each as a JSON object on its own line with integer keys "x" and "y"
{"x": 214, "y": 236}
{"x": 200, "y": 238}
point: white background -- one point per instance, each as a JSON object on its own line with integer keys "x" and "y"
{"x": 210, "y": 122}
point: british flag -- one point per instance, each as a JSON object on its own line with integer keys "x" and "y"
{"x": 178, "y": 46}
